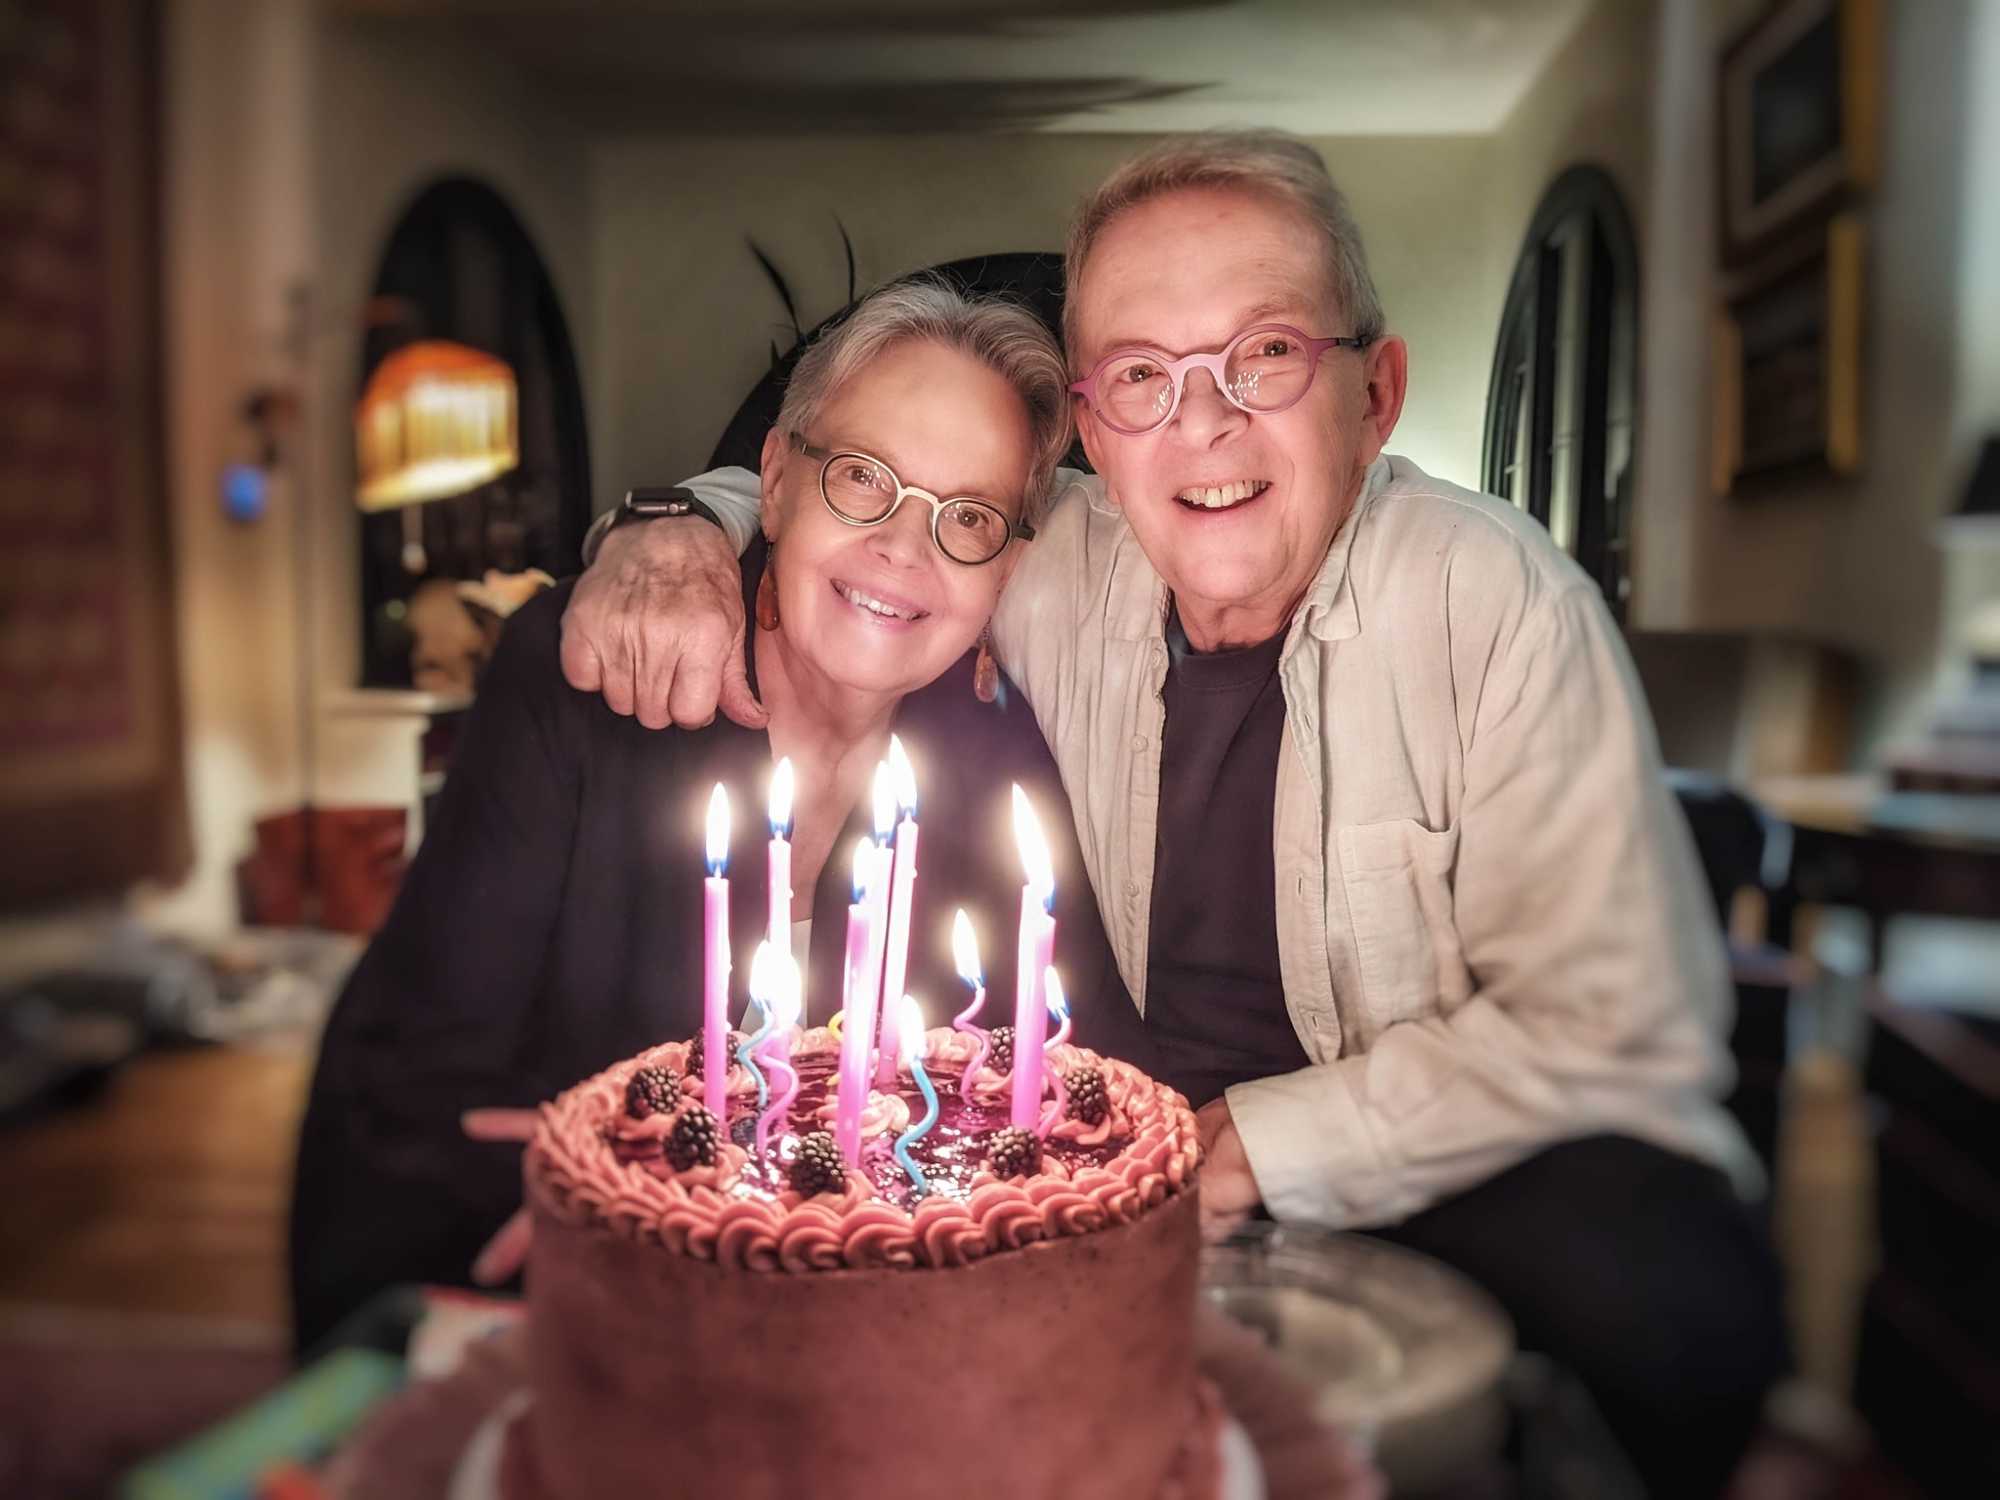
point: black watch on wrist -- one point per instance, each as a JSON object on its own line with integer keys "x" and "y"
{"x": 668, "y": 500}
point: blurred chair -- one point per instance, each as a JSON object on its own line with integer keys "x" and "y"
{"x": 1803, "y": 1113}
{"x": 1745, "y": 853}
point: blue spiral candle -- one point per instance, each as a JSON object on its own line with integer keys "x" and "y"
{"x": 911, "y": 1038}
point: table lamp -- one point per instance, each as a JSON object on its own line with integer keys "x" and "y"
{"x": 436, "y": 419}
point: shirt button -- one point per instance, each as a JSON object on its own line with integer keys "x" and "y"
{"x": 1131, "y": 887}
{"x": 1138, "y": 742}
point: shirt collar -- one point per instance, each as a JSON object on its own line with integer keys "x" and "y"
{"x": 1135, "y": 603}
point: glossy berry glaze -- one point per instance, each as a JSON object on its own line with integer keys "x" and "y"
{"x": 951, "y": 1155}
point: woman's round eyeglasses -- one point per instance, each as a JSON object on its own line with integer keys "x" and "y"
{"x": 1262, "y": 370}
{"x": 862, "y": 490}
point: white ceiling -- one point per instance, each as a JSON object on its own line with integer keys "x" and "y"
{"x": 1318, "y": 67}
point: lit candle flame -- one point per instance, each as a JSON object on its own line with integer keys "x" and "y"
{"x": 864, "y": 861}
{"x": 718, "y": 830}
{"x": 781, "y": 799}
{"x": 1034, "y": 849}
{"x": 1058, "y": 1004}
{"x": 910, "y": 1036}
{"x": 787, "y": 991}
{"x": 762, "y": 963}
{"x": 965, "y": 949}
{"x": 885, "y": 802}
{"x": 906, "y": 778}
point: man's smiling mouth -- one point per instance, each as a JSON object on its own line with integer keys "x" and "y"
{"x": 882, "y": 609}
{"x": 1222, "y": 496}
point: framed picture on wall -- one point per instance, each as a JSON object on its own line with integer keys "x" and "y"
{"x": 1788, "y": 361}
{"x": 1801, "y": 103}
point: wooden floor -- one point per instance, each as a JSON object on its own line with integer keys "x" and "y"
{"x": 165, "y": 1196}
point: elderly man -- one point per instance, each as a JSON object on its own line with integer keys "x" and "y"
{"x": 1368, "y": 791}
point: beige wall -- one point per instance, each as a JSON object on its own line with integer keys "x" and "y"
{"x": 1854, "y": 562}
{"x": 1590, "y": 105}
{"x": 685, "y": 316}
{"x": 1850, "y": 564}
{"x": 1972, "y": 579}
{"x": 237, "y": 231}
{"x": 294, "y": 139}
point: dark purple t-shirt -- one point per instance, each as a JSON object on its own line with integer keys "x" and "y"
{"x": 1215, "y": 999}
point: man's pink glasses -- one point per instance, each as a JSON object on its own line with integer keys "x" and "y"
{"x": 1262, "y": 370}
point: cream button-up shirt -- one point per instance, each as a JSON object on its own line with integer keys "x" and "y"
{"x": 1492, "y": 930}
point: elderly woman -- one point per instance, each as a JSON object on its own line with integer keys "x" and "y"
{"x": 550, "y": 924}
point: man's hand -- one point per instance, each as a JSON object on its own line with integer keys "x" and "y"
{"x": 1229, "y": 1189}
{"x": 656, "y": 626}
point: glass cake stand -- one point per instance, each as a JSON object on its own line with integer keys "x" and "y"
{"x": 1399, "y": 1351}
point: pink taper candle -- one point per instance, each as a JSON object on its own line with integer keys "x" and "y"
{"x": 965, "y": 953}
{"x": 880, "y": 880}
{"x": 778, "y": 929}
{"x": 715, "y": 961}
{"x": 1031, "y": 957}
{"x": 896, "y": 958}
{"x": 857, "y": 1021}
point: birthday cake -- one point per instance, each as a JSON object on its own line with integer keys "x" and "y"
{"x": 967, "y": 1309}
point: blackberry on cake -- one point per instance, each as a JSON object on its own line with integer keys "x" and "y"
{"x": 1013, "y": 1152}
{"x": 693, "y": 1139}
{"x": 818, "y": 1167}
{"x": 1000, "y": 1053}
{"x": 652, "y": 1091}
{"x": 1089, "y": 1100}
{"x": 697, "y": 1059}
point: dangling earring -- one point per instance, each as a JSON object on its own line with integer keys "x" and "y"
{"x": 985, "y": 675}
{"x": 767, "y": 592}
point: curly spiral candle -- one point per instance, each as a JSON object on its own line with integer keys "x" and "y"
{"x": 911, "y": 1034}
{"x": 760, "y": 989}
{"x": 783, "y": 1005}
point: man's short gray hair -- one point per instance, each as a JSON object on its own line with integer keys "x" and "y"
{"x": 1003, "y": 336}
{"x": 1260, "y": 161}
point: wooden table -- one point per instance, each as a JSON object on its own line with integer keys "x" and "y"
{"x": 166, "y": 1195}
{"x": 1857, "y": 844}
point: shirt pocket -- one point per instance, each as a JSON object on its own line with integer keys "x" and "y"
{"x": 1398, "y": 878}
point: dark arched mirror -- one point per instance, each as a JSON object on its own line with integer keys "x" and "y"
{"x": 1561, "y": 405}
{"x": 458, "y": 266}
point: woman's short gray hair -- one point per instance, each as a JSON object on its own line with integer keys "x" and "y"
{"x": 1259, "y": 161}
{"x": 1003, "y": 336}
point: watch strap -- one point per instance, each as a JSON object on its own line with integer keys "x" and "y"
{"x": 646, "y": 505}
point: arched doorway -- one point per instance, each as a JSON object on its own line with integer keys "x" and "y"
{"x": 1562, "y": 404}
{"x": 459, "y": 266}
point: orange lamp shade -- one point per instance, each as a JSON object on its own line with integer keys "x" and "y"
{"x": 436, "y": 420}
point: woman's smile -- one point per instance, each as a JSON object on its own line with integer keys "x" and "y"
{"x": 879, "y": 607}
